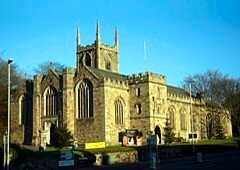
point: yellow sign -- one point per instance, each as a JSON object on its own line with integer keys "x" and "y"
{"x": 95, "y": 145}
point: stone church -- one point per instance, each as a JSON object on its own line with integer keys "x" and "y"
{"x": 96, "y": 103}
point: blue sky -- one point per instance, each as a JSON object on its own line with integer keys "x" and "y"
{"x": 182, "y": 36}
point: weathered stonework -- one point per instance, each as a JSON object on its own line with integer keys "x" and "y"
{"x": 83, "y": 99}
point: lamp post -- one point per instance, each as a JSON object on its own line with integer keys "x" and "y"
{"x": 8, "y": 127}
{"x": 4, "y": 150}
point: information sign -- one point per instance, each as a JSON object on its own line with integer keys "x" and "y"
{"x": 95, "y": 145}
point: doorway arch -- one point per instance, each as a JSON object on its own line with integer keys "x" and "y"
{"x": 157, "y": 132}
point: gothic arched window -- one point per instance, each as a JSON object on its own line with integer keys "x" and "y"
{"x": 182, "y": 120}
{"x": 22, "y": 109}
{"x": 195, "y": 122}
{"x": 209, "y": 125}
{"x": 84, "y": 100}
{"x": 118, "y": 112}
{"x": 88, "y": 61}
{"x": 171, "y": 112}
{"x": 50, "y": 102}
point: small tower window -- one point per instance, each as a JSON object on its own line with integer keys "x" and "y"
{"x": 138, "y": 108}
{"x": 138, "y": 91}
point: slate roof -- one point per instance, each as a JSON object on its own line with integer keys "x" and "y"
{"x": 105, "y": 73}
{"x": 177, "y": 90}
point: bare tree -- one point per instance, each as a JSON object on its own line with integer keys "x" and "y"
{"x": 232, "y": 103}
{"x": 217, "y": 90}
{"x": 44, "y": 67}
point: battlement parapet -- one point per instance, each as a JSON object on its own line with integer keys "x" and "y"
{"x": 181, "y": 97}
{"x": 111, "y": 47}
{"x": 93, "y": 46}
{"x": 115, "y": 82}
{"x": 86, "y": 47}
{"x": 146, "y": 77}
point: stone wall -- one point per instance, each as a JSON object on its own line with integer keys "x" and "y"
{"x": 114, "y": 90}
{"x": 21, "y": 114}
{"x": 108, "y": 54}
{"x": 91, "y": 129}
{"x": 100, "y": 54}
{"x": 158, "y": 102}
{"x": 17, "y": 130}
{"x": 120, "y": 157}
{"x": 68, "y": 99}
{"x": 139, "y": 95}
{"x": 36, "y": 109}
{"x": 181, "y": 103}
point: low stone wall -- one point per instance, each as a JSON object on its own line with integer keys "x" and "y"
{"x": 120, "y": 157}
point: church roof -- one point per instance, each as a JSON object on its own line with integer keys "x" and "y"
{"x": 105, "y": 73}
{"x": 177, "y": 90}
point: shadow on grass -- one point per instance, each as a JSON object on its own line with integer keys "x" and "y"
{"x": 25, "y": 156}
{"x": 183, "y": 150}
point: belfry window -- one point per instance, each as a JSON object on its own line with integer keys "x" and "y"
{"x": 88, "y": 60}
{"x": 50, "y": 102}
{"x": 84, "y": 100}
{"x": 108, "y": 65}
{"x": 22, "y": 109}
{"x": 119, "y": 112}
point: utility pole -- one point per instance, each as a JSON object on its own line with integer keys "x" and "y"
{"x": 9, "y": 100}
{"x": 190, "y": 91}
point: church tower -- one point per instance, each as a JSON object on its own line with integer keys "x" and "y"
{"x": 98, "y": 55}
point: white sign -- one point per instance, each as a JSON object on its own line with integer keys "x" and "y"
{"x": 67, "y": 155}
{"x": 66, "y": 163}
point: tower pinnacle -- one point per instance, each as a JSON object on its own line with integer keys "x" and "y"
{"x": 78, "y": 38}
{"x": 116, "y": 38}
{"x": 98, "y": 37}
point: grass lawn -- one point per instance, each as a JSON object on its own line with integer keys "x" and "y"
{"x": 108, "y": 149}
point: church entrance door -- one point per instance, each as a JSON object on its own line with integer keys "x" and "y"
{"x": 157, "y": 131}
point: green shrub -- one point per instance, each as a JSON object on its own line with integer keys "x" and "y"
{"x": 219, "y": 131}
{"x": 179, "y": 140}
{"x": 61, "y": 137}
{"x": 237, "y": 140}
{"x": 169, "y": 135}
